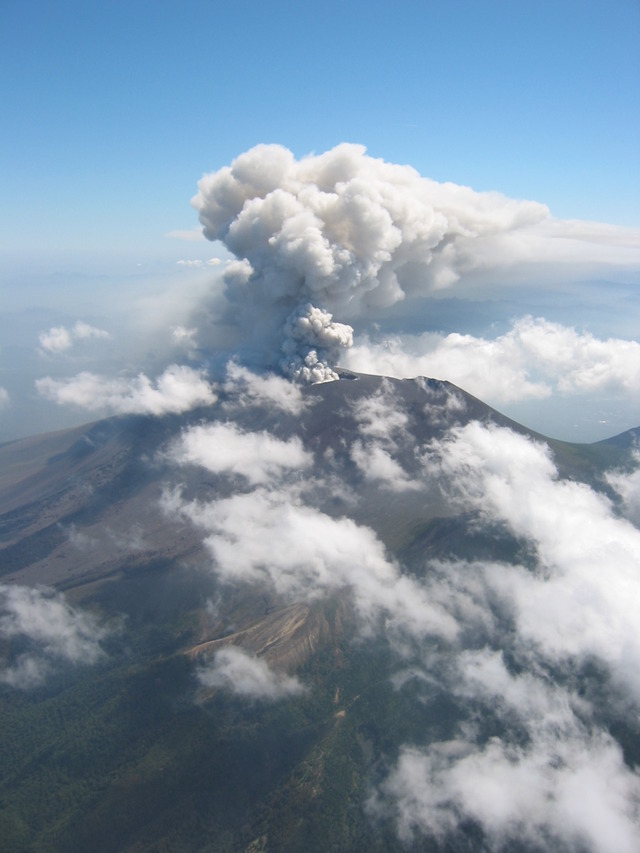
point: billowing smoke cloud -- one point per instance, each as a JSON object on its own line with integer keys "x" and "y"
{"x": 178, "y": 389}
{"x": 52, "y": 631}
{"x": 345, "y": 232}
{"x": 335, "y": 237}
{"x": 312, "y": 344}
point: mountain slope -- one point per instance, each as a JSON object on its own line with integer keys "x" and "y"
{"x": 278, "y": 595}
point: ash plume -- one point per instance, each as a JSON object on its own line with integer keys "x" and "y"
{"x": 343, "y": 233}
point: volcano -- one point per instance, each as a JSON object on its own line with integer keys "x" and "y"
{"x": 370, "y": 614}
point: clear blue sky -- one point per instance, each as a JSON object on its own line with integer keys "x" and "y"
{"x": 113, "y": 110}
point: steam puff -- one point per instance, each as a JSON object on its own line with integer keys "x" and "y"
{"x": 343, "y": 231}
{"x": 312, "y": 343}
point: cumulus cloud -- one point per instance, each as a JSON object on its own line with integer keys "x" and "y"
{"x": 223, "y": 448}
{"x": 52, "y": 631}
{"x": 186, "y": 339}
{"x": 59, "y": 338}
{"x": 250, "y": 677}
{"x": 176, "y": 390}
{"x": 533, "y": 360}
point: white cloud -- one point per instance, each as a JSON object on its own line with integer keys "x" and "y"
{"x": 250, "y": 677}
{"x": 380, "y": 416}
{"x": 186, "y": 338}
{"x": 178, "y": 389}
{"x": 191, "y": 235}
{"x": 378, "y": 466}
{"x": 627, "y": 485}
{"x": 383, "y": 422}
{"x": 583, "y": 598}
{"x": 5, "y": 400}
{"x": 533, "y": 360}
{"x": 59, "y": 338}
{"x": 54, "y": 630}
{"x": 84, "y": 332}
{"x": 225, "y": 449}
{"x": 574, "y": 789}
{"x": 247, "y": 388}
{"x": 273, "y": 538}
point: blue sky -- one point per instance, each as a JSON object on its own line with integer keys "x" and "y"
{"x": 112, "y": 111}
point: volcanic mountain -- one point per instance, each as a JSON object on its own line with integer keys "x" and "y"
{"x": 317, "y": 618}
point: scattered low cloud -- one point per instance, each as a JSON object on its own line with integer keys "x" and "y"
{"x": 223, "y": 448}
{"x": 272, "y": 537}
{"x": 380, "y": 416}
{"x": 247, "y": 676}
{"x": 59, "y": 339}
{"x": 190, "y": 235}
{"x": 533, "y": 360}
{"x": 382, "y": 422}
{"x": 52, "y": 631}
{"x": 176, "y": 390}
{"x": 588, "y": 557}
{"x": 198, "y": 263}
{"x": 377, "y": 465}
{"x": 186, "y": 339}
{"x": 247, "y": 388}
{"x": 627, "y": 485}
{"x": 565, "y": 786}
